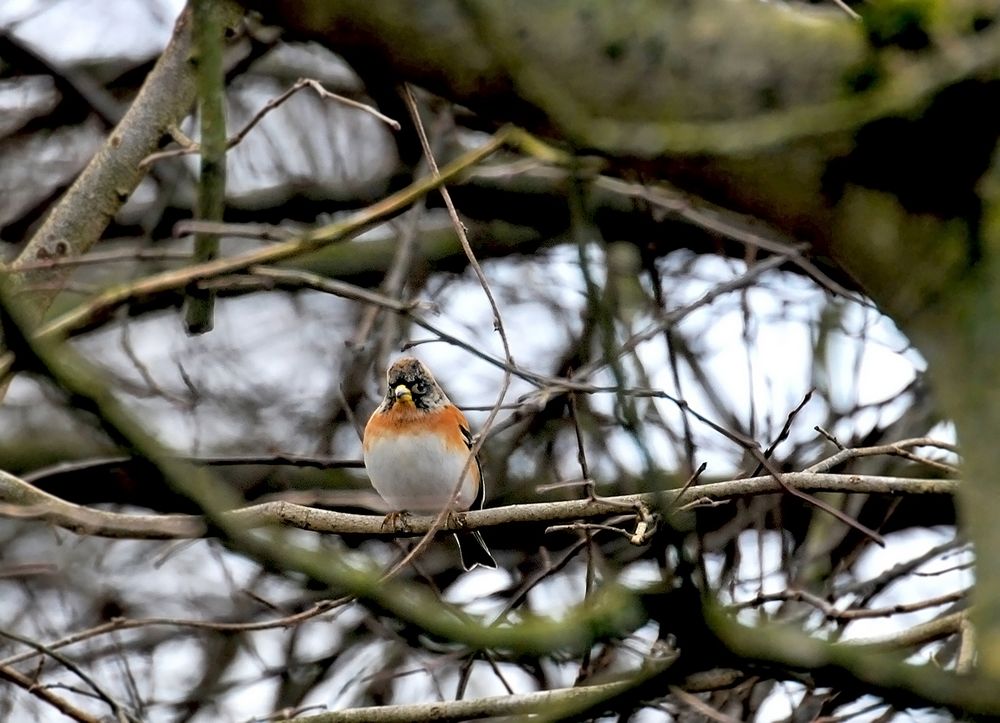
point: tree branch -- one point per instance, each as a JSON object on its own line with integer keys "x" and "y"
{"x": 99, "y": 308}
{"x": 23, "y": 500}
{"x": 84, "y": 211}
{"x": 209, "y": 40}
{"x": 43, "y": 693}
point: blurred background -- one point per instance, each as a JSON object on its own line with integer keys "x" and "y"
{"x": 635, "y": 289}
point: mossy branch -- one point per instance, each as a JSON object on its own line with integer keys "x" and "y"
{"x": 209, "y": 43}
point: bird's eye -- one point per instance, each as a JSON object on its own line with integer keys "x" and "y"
{"x": 419, "y": 387}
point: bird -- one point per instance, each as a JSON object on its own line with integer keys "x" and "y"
{"x": 416, "y": 444}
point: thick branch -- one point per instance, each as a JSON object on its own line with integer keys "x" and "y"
{"x": 78, "y": 220}
{"x": 841, "y": 664}
{"x": 26, "y": 501}
{"x": 602, "y": 69}
{"x": 508, "y": 705}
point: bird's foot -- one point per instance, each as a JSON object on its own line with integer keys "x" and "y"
{"x": 396, "y": 521}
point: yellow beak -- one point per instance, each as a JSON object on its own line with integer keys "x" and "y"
{"x": 403, "y": 393}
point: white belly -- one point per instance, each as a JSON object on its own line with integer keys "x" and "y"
{"x": 414, "y": 472}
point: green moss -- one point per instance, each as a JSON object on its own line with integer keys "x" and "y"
{"x": 907, "y": 262}
{"x": 864, "y": 77}
{"x": 615, "y": 49}
{"x": 901, "y": 23}
{"x": 931, "y": 160}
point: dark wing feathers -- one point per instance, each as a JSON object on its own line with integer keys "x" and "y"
{"x": 477, "y": 504}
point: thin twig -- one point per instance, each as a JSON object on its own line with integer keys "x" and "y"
{"x": 700, "y": 706}
{"x": 100, "y": 308}
{"x": 754, "y": 449}
{"x": 713, "y": 219}
{"x": 785, "y": 429}
{"x": 692, "y": 480}
{"x": 498, "y": 325}
{"x": 272, "y": 104}
{"x": 896, "y": 449}
{"x": 830, "y": 612}
{"x": 671, "y": 318}
{"x": 132, "y": 623}
{"x": 829, "y": 437}
{"x": 587, "y": 526}
{"x": 847, "y": 9}
{"x": 590, "y": 575}
{"x": 272, "y": 460}
{"x": 324, "y": 93}
{"x": 43, "y": 693}
{"x": 70, "y": 665}
{"x": 104, "y": 257}
{"x": 867, "y": 589}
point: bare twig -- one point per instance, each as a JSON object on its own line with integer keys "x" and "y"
{"x": 71, "y": 666}
{"x": 100, "y": 258}
{"x": 586, "y": 527}
{"x": 921, "y": 634}
{"x": 100, "y": 308}
{"x": 237, "y": 138}
{"x": 262, "y": 231}
{"x": 866, "y": 590}
{"x": 785, "y": 429}
{"x": 829, "y": 437}
{"x": 43, "y": 693}
{"x": 700, "y": 706}
{"x": 897, "y": 449}
{"x": 129, "y": 624}
{"x": 847, "y": 9}
{"x": 719, "y": 221}
{"x": 754, "y": 449}
{"x": 691, "y": 481}
{"x": 830, "y": 611}
{"x": 671, "y": 318}
{"x": 474, "y": 708}
{"x": 498, "y": 325}
{"x": 273, "y": 460}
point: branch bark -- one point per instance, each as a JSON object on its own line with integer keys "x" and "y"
{"x": 26, "y": 501}
{"x": 81, "y": 215}
{"x": 209, "y": 39}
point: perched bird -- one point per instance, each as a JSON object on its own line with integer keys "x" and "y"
{"x": 416, "y": 445}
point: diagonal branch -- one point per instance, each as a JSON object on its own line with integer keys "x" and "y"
{"x": 104, "y": 304}
{"x": 42, "y": 693}
{"x": 78, "y": 220}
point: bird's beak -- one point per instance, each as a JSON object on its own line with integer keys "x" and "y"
{"x": 402, "y": 392}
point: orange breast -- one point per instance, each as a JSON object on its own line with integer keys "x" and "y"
{"x": 414, "y": 458}
{"x": 447, "y": 422}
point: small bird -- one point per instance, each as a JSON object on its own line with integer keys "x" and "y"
{"x": 416, "y": 444}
